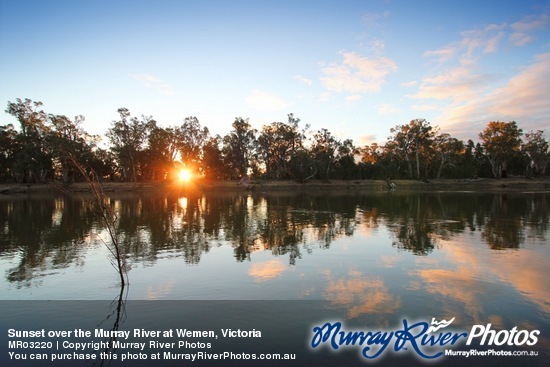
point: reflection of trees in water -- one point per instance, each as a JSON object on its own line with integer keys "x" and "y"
{"x": 286, "y": 225}
{"x": 419, "y": 221}
{"x": 43, "y": 234}
{"x": 51, "y": 233}
{"x": 415, "y": 221}
{"x": 503, "y": 228}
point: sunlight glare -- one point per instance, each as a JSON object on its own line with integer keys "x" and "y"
{"x": 184, "y": 175}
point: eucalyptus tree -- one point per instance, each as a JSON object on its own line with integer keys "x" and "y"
{"x": 69, "y": 144}
{"x": 191, "y": 138}
{"x": 448, "y": 149}
{"x": 239, "y": 147}
{"x": 33, "y": 161}
{"x": 161, "y": 152}
{"x": 413, "y": 141}
{"x": 345, "y": 159}
{"x": 500, "y": 141}
{"x": 278, "y": 142}
{"x": 324, "y": 148}
{"x": 302, "y": 165}
{"x": 212, "y": 161}
{"x": 536, "y": 147}
{"x": 127, "y": 137}
{"x": 9, "y": 150}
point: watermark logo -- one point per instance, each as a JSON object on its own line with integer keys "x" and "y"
{"x": 428, "y": 341}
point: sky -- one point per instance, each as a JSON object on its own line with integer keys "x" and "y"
{"x": 356, "y": 68}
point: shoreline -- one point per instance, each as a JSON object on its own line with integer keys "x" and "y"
{"x": 450, "y": 185}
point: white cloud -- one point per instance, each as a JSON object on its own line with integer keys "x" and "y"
{"x": 357, "y": 74}
{"x": 473, "y": 43}
{"x": 526, "y": 94}
{"x": 155, "y": 83}
{"x": 367, "y": 139}
{"x": 523, "y": 99}
{"x": 377, "y": 46}
{"x": 443, "y": 54}
{"x": 523, "y": 29}
{"x": 456, "y": 84}
{"x": 303, "y": 80}
{"x": 486, "y": 40}
{"x": 265, "y": 101}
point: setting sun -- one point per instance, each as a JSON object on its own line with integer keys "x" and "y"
{"x": 184, "y": 175}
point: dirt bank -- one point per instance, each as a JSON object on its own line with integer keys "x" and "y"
{"x": 488, "y": 185}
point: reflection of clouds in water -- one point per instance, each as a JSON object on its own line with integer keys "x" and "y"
{"x": 458, "y": 285}
{"x": 389, "y": 261}
{"x": 527, "y": 271}
{"x": 467, "y": 275}
{"x": 265, "y": 270}
{"x": 361, "y": 294}
{"x": 160, "y": 291}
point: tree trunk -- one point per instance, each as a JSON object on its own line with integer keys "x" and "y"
{"x": 417, "y": 166}
{"x": 409, "y": 165}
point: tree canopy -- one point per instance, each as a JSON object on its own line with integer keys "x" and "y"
{"x": 45, "y": 147}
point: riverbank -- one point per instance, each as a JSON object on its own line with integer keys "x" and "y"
{"x": 484, "y": 184}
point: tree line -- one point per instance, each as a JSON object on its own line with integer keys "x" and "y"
{"x": 48, "y": 147}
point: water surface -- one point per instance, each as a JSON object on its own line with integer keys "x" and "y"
{"x": 371, "y": 257}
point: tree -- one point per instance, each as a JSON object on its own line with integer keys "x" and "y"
{"x": 538, "y": 150}
{"x": 33, "y": 160}
{"x": 161, "y": 151}
{"x": 191, "y": 138}
{"x": 413, "y": 139}
{"x": 324, "y": 149}
{"x": 68, "y": 144}
{"x": 345, "y": 159}
{"x": 9, "y": 149}
{"x": 302, "y": 165}
{"x": 448, "y": 150}
{"x": 278, "y": 142}
{"x": 500, "y": 141}
{"x": 128, "y": 137}
{"x": 238, "y": 147}
{"x": 213, "y": 159}
{"x": 401, "y": 145}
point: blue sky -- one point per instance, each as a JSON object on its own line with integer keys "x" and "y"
{"x": 357, "y": 68}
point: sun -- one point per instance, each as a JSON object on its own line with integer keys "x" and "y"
{"x": 184, "y": 175}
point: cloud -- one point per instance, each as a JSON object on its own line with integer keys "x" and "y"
{"x": 377, "y": 46}
{"x": 357, "y": 74}
{"x": 456, "y": 84}
{"x": 523, "y": 99}
{"x": 387, "y": 109}
{"x": 361, "y": 294}
{"x": 265, "y": 101}
{"x": 479, "y": 41}
{"x": 523, "y": 29}
{"x": 367, "y": 139}
{"x": 443, "y": 54}
{"x": 155, "y": 83}
{"x": 266, "y": 270}
{"x": 373, "y": 19}
{"x": 303, "y": 80}
{"x": 474, "y": 42}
